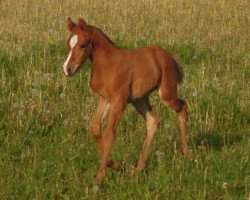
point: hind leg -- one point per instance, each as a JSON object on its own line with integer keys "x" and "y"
{"x": 143, "y": 107}
{"x": 170, "y": 99}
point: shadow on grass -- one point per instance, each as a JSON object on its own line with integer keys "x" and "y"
{"x": 215, "y": 140}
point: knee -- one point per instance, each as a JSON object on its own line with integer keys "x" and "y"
{"x": 167, "y": 98}
{"x": 182, "y": 108}
{"x": 95, "y": 129}
{"x": 156, "y": 120}
{"x": 153, "y": 121}
{"x": 108, "y": 138}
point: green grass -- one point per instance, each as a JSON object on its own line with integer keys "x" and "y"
{"x": 46, "y": 148}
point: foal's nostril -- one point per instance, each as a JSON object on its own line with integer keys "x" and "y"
{"x": 69, "y": 70}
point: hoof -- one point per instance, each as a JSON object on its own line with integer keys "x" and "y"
{"x": 98, "y": 178}
{"x": 96, "y": 188}
{"x": 115, "y": 165}
{"x": 140, "y": 167}
{"x": 135, "y": 174}
{"x": 137, "y": 171}
{"x": 185, "y": 151}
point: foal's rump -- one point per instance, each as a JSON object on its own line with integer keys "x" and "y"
{"x": 146, "y": 72}
{"x": 153, "y": 66}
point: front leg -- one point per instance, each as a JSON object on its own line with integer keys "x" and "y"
{"x": 101, "y": 112}
{"x": 117, "y": 107}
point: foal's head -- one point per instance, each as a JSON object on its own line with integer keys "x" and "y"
{"x": 79, "y": 46}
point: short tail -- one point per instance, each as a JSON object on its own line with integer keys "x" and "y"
{"x": 179, "y": 70}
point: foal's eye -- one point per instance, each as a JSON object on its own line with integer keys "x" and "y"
{"x": 83, "y": 46}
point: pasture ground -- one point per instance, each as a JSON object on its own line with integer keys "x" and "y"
{"x": 46, "y": 149}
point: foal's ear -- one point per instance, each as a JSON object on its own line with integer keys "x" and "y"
{"x": 82, "y": 23}
{"x": 71, "y": 25}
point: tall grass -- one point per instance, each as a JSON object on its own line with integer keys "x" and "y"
{"x": 46, "y": 149}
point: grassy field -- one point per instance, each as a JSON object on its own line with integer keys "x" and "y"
{"x": 46, "y": 148}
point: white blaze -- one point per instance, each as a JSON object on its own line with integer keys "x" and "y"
{"x": 72, "y": 44}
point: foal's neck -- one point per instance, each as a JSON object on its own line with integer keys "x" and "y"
{"x": 101, "y": 43}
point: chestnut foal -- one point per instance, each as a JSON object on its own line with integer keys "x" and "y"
{"x": 120, "y": 77}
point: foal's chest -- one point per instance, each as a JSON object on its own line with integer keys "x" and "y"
{"x": 96, "y": 84}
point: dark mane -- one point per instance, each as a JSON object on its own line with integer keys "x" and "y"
{"x": 95, "y": 28}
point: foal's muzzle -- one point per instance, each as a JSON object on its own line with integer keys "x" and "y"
{"x": 70, "y": 71}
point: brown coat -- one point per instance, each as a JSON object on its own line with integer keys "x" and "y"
{"x": 121, "y": 77}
